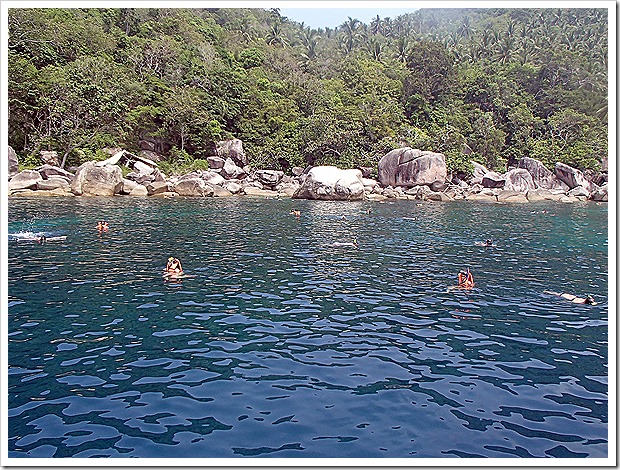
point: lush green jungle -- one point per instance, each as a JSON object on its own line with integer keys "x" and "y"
{"x": 490, "y": 85}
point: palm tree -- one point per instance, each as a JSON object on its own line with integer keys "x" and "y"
{"x": 466, "y": 30}
{"x": 374, "y": 48}
{"x": 375, "y": 25}
{"x": 276, "y": 37}
{"x": 402, "y": 49}
{"x": 350, "y": 29}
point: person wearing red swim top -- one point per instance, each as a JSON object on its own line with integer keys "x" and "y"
{"x": 466, "y": 279}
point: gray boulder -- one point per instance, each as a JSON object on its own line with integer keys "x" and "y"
{"x": 158, "y": 188}
{"x": 13, "y": 163}
{"x": 27, "y": 179}
{"x": 410, "y": 167}
{"x": 519, "y": 180}
{"x": 297, "y": 171}
{"x": 158, "y": 176}
{"x": 216, "y": 163}
{"x": 219, "y": 191}
{"x": 54, "y": 182}
{"x": 479, "y": 172}
{"x": 541, "y": 176}
{"x": 508, "y": 195}
{"x": 269, "y": 178}
{"x": 493, "y": 180}
{"x": 212, "y": 177}
{"x": 93, "y": 180}
{"x": 331, "y": 183}
{"x": 47, "y": 171}
{"x": 193, "y": 187}
{"x": 128, "y": 186}
{"x": 50, "y": 157}
{"x": 601, "y": 194}
{"x": 139, "y": 190}
{"x": 140, "y": 178}
{"x": 419, "y": 192}
{"x": 579, "y": 192}
{"x": 232, "y": 187}
{"x": 439, "y": 196}
{"x": 573, "y": 177}
{"x": 232, "y": 149}
{"x": 232, "y": 171}
{"x": 254, "y": 191}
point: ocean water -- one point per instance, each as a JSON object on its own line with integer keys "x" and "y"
{"x": 284, "y": 345}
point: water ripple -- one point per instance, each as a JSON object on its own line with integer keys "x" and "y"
{"x": 281, "y": 345}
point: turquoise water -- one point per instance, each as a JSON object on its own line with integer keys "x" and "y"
{"x": 283, "y": 345}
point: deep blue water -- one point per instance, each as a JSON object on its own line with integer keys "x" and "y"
{"x": 282, "y": 345}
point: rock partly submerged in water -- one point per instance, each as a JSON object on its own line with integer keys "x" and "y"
{"x": 573, "y": 177}
{"x": 27, "y": 179}
{"x": 332, "y": 184}
{"x": 93, "y": 180}
{"x": 410, "y": 167}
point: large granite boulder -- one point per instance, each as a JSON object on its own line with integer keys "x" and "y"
{"x": 254, "y": 191}
{"x": 158, "y": 188}
{"x": 541, "y": 194}
{"x": 508, "y": 195}
{"x": 479, "y": 172}
{"x": 139, "y": 190}
{"x": 232, "y": 187}
{"x": 331, "y": 183}
{"x": 27, "y": 179}
{"x": 541, "y": 176}
{"x": 13, "y": 163}
{"x": 50, "y": 157}
{"x": 232, "y": 149}
{"x": 216, "y": 163}
{"x": 133, "y": 189}
{"x": 193, "y": 187}
{"x": 519, "y": 180}
{"x": 212, "y": 177}
{"x": 48, "y": 171}
{"x": 410, "y": 167}
{"x": 54, "y": 182}
{"x": 493, "y": 180}
{"x": 231, "y": 171}
{"x": 269, "y": 178}
{"x": 94, "y": 180}
{"x": 600, "y": 194}
{"x": 573, "y": 177}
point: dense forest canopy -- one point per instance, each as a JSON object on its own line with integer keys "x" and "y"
{"x": 491, "y": 85}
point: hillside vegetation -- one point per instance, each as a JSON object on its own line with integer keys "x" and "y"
{"x": 490, "y": 85}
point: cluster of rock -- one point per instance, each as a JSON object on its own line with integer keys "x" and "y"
{"x": 414, "y": 174}
{"x": 403, "y": 173}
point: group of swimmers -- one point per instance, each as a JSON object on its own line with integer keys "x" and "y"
{"x": 465, "y": 278}
{"x": 102, "y": 226}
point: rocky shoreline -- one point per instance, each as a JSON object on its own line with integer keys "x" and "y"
{"x": 403, "y": 173}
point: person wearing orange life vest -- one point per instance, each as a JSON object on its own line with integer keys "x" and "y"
{"x": 466, "y": 279}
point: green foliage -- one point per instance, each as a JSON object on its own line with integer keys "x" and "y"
{"x": 252, "y": 57}
{"x": 501, "y": 83}
{"x": 181, "y": 162}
